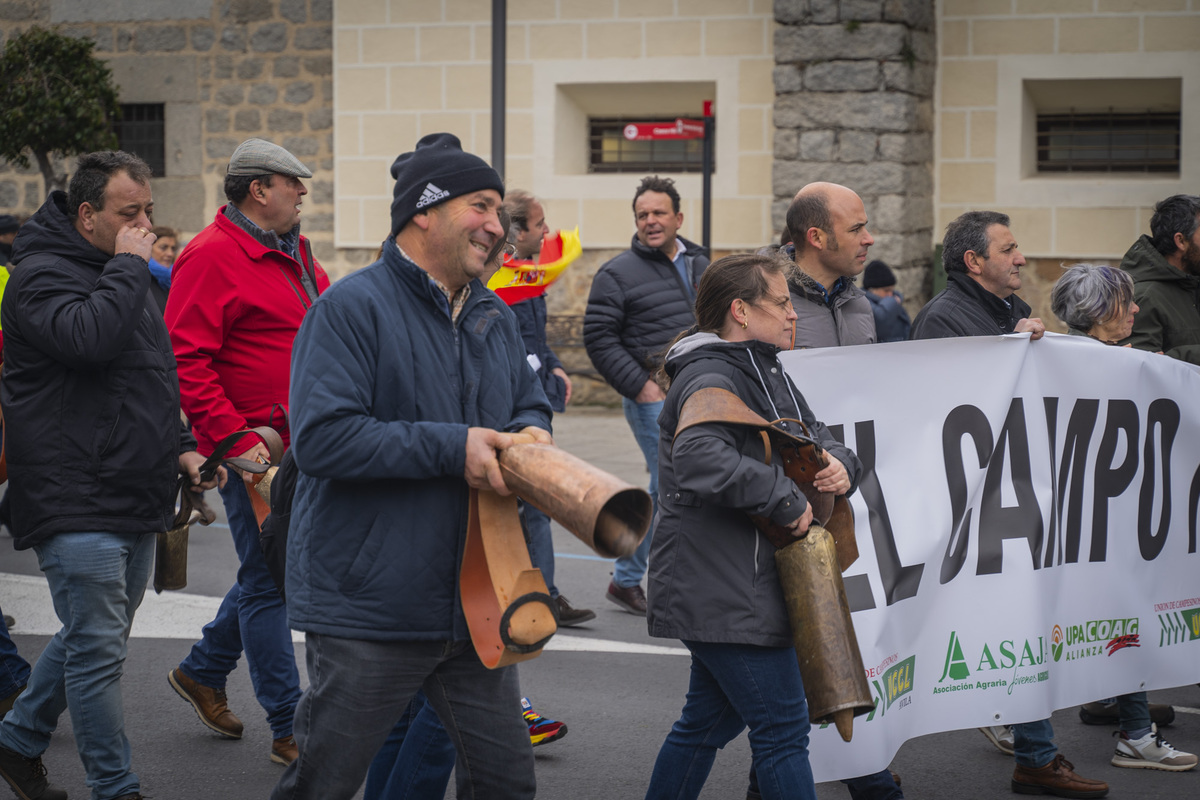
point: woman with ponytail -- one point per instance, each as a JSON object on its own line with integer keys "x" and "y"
{"x": 712, "y": 581}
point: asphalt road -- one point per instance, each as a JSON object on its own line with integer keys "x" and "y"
{"x": 617, "y": 689}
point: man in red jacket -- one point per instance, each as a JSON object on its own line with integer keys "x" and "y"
{"x": 238, "y": 294}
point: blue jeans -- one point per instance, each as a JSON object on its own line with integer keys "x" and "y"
{"x": 96, "y": 584}
{"x": 416, "y": 760}
{"x": 1033, "y": 743}
{"x": 541, "y": 545}
{"x": 1134, "y": 711}
{"x": 643, "y": 421}
{"x": 734, "y": 686}
{"x": 251, "y": 617}
{"x": 358, "y": 689}
{"x": 880, "y": 786}
{"x": 14, "y": 670}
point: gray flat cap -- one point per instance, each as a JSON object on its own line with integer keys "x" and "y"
{"x": 259, "y": 157}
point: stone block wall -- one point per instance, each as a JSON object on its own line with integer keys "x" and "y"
{"x": 854, "y": 105}
{"x": 227, "y": 70}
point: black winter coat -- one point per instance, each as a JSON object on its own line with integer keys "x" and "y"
{"x": 712, "y": 575}
{"x": 90, "y": 396}
{"x": 637, "y": 305}
{"x": 965, "y": 308}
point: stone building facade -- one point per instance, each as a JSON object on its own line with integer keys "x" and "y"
{"x": 925, "y": 107}
{"x": 1003, "y": 63}
{"x": 225, "y": 70}
{"x": 854, "y": 88}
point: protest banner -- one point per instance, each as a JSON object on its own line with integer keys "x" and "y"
{"x": 1027, "y": 522}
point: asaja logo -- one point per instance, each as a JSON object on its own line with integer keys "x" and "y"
{"x": 955, "y": 668}
{"x": 1056, "y": 643}
{"x": 989, "y": 658}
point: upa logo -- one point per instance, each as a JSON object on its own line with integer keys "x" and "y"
{"x": 1094, "y": 637}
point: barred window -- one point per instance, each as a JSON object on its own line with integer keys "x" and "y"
{"x": 142, "y": 131}
{"x": 610, "y": 151}
{"x": 1108, "y": 142}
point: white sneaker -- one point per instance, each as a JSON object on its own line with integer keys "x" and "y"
{"x": 1150, "y": 752}
{"x": 1001, "y": 736}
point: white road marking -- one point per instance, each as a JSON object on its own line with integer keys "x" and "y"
{"x": 179, "y": 615}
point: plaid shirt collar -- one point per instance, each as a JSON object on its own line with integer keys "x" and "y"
{"x": 288, "y": 244}
{"x": 454, "y": 301}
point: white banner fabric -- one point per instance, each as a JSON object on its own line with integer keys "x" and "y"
{"x": 1027, "y": 522}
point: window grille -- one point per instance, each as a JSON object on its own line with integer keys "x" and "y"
{"x": 142, "y": 131}
{"x": 610, "y": 151}
{"x": 1108, "y": 142}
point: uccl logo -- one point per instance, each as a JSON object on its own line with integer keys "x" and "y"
{"x": 1056, "y": 643}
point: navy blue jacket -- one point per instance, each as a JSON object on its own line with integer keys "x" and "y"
{"x": 531, "y": 318}
{"x": 892, "y": 322}
{"x": 383, "y": 390}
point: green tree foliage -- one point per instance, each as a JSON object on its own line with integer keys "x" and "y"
{"x": 55, "y": 97}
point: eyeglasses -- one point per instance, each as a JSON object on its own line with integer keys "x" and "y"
{"x": 783, "y": 304}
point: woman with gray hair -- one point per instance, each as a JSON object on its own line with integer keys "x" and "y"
{"x": 1097, "y": 301}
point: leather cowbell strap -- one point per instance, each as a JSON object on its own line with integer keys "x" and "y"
{"x": 505, "y": 599}
{"x": 170, "y": 563}
{"x": 802, "y": 459}
{"x": 508, "y": 608}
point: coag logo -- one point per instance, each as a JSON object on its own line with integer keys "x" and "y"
{"x": 1094, "y": 637}
{"x": 956, "y": 664}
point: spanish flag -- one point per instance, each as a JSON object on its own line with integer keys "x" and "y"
{"x": 521, "y": 280}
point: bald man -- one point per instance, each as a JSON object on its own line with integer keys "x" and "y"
{"x": 828, "y": 226}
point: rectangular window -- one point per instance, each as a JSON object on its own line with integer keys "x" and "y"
{"x": 610, "y": 151}
{"x": 1108, "y": 142}
{"x": 142, "y": 131}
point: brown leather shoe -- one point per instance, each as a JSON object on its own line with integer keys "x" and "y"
{"x": 284, "y": 751}
{"x": 569, "y": 616}
{"x": 1057, "y": 778}
{"x": 630, "y": 598}
{"x": 212, "y": 706}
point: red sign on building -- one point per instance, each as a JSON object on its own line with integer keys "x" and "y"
{"x": 682, "y": 129}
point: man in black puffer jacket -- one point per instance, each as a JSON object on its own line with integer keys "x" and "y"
{"x": 95, "y": 445}
{"x": 983, "y": 268}
{"x": 983, "y": 273}
{"x": 639, "y": 302}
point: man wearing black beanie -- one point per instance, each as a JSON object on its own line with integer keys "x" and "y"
{"x": 407, "y": 378}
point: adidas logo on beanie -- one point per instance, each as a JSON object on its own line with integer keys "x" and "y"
{"x": 431, "y": 195}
